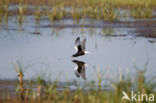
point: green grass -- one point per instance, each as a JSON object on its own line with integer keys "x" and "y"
{"x": 107, "y": 10}
{"x": 137, "y": 82}
{"x": 120, "y": 3}
{"x": 142, "y": 11}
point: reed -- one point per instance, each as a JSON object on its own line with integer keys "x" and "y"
{"x": 21, "y": 10}
{"x": 53, "y": 14}
{"x": 92, "y": 9}
{"x": 6, "y": 10}
{"x": 37, "y": 14}
{"x": 109, "y": 12}
{"x": 39, "y": 87}
{"x": 23, "y": 91}
{"x": 2, "y": 10}
{"x": 143, "y": 10}
{"x": 76, "y": 14}
{"x": 18, "y": 68}
{"x": 136, "y": 82}
{"x": 119, "y": 3}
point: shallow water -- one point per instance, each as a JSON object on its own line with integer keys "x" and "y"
{"x": 48, "y": 50}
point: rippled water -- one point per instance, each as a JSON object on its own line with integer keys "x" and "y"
{"x": 46, "y": 49}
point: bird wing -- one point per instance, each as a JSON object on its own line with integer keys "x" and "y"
{"x": 83, "y": 43}
{"x": 76, "y": 68}
{"x": 78, "y": 62}
{"x": 77, "y": 74}
{"x": 83, "y": 75}
{"x": 80, "y": 69}
{"x": 77, "y": 42}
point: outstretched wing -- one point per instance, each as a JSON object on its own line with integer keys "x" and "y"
{"x": 79, "y": 63}
{"x": 77, "y": 42}
{"x": 83, "y": 43}
{"x": 77, "y": 74}
{"x": 83, "y": 74}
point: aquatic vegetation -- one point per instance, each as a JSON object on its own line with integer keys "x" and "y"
{"x": 109, "y": 12}
{"x": 6, "y": 10}
{"x": 20, "y": 18}
{"x": 47, "y": 91}
{"x": 2, "y": 10}
{"x": 76, "y": 14}
{"x": 37, "y": 14}
{"x": 123, "y": 3}
{"x": 21, "y": 10}
{"x": 41, "y": 83}
{"x": 143, "y": 10}
{"x": 18, "y": 68}
{"x": 61, "y": 12}
{"x": 107, "y": 32}
{"x": 56, "y": 12}
{"x": 106, "y": 10}
{"x": 93, "y": 13}
{"x": 53, "y": 14}
{"x": 23, "y": 91}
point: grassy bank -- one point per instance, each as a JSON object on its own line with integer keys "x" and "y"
{"x": 43, "y": 91}
{"x": 107, "y": 10}
{"x": 119, "y": 3}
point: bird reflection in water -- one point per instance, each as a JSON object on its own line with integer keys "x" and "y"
{"x": 80, "y": 69}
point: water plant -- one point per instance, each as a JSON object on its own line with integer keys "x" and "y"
{"x": 93, "y": 9}
{"x": 95, "y": 93}
{"x": 18, "y": 68}
{"x": 21, "y": 10}
{"x": 75, "y": 12}
{"x": 143, "y": 10}
{"x": 37, "y": 14}
{"x": 109, "y": 12}
{"x": 2, "y": 10}
{"x": 23, "y": 91}
{"x": 6, "y": 10}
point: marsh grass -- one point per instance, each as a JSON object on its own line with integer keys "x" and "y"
{"x": 38, "y": 14}
{"x": 143, "y": 10}
{"x": 107, "y": 10}
{"x": 2, "y": 10}
{"x": 43, "y": 91}
{"x": 21, "y": 9}
{"x": 18, "y": 68}
{"x": 21, "y": 89}
{"x": 6, "y": 10}
{"x": 76, "y": 14}
{"x": 55, "y": 12}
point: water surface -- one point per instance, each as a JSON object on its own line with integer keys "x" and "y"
{"x": 46, "y": 49}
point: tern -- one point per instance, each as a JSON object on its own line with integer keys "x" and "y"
{"x": 80, "y": 47}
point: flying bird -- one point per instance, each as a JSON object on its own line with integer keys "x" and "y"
{"x": 80, "y": 69}
{"x": 80, "y": 47}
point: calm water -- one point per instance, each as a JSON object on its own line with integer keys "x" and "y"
{"x": 48, "y": 50}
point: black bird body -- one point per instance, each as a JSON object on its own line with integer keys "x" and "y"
{"x": 80, "y": 52}
{"x": 80, "y": 47}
